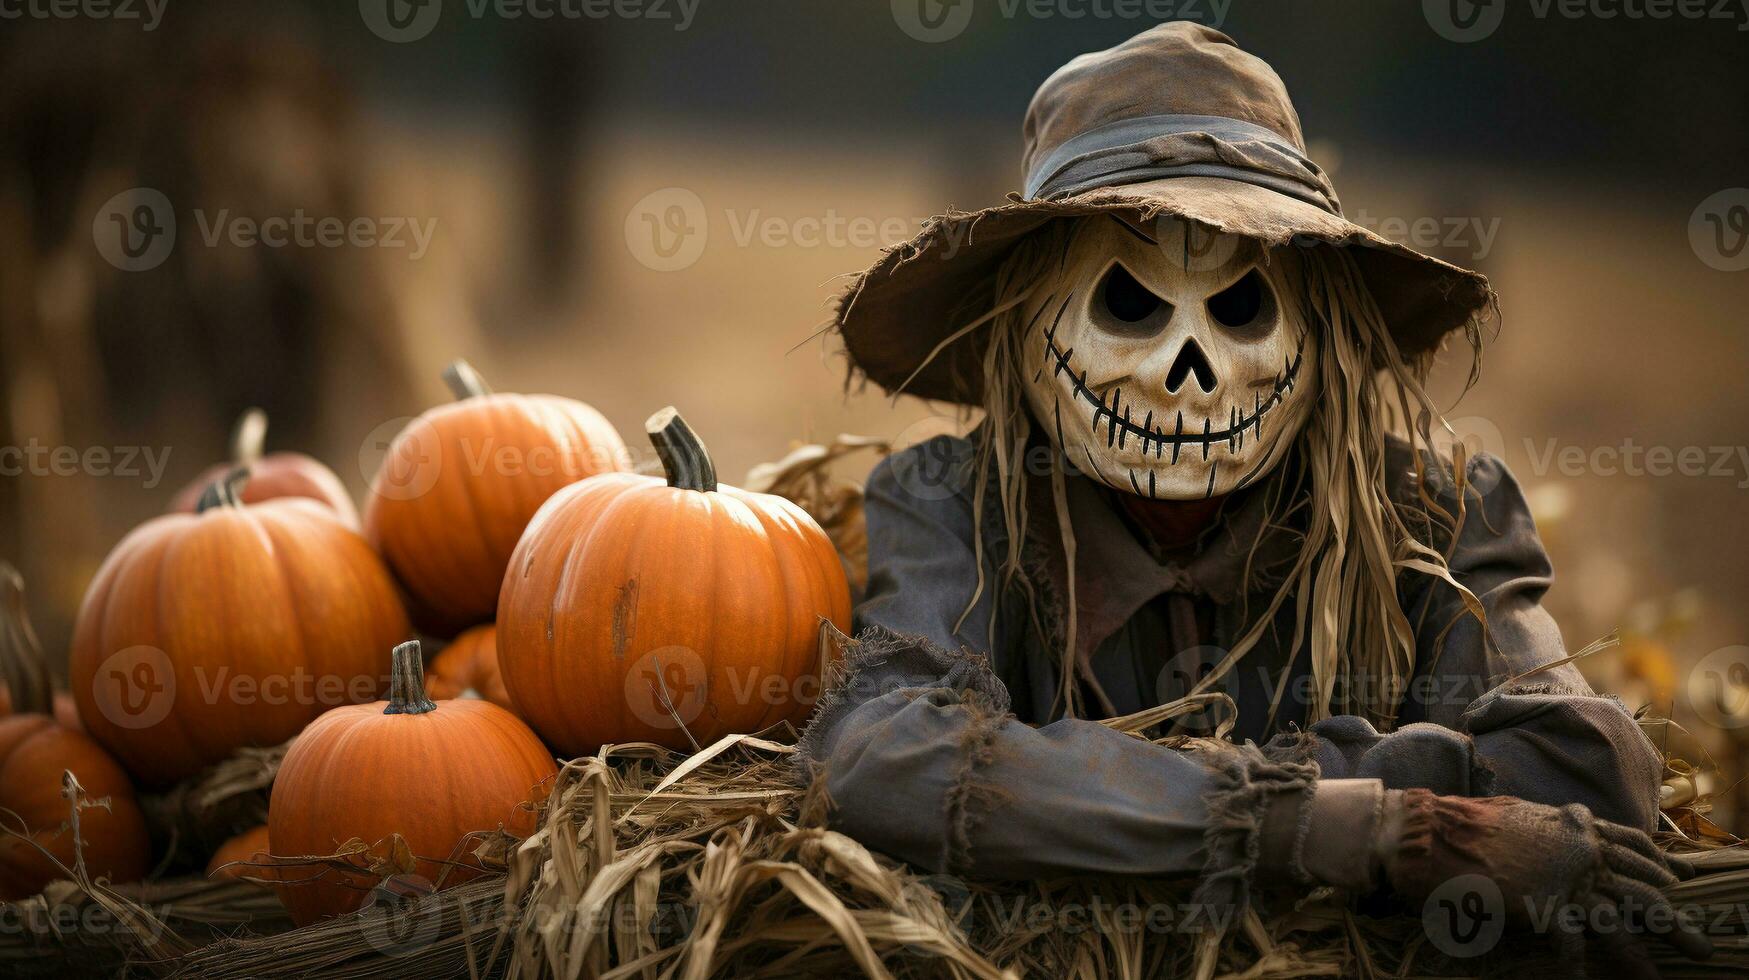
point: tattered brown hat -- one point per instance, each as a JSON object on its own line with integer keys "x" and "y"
{"x": 1177, "y": 121}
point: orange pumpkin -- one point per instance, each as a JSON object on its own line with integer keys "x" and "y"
{"x": 233, "y": 626}
{"x": 272, "y": 475}
{"x": 460, "y": 482}
{"x": 249, "y": 846}
{"x": 673, "y": 612}
{"x": 470, "y": 662}
{"x": 432, "y": 773}
{"x": 35, "y": 751}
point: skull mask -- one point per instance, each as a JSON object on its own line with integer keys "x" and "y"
{"x": 1168, "y": 361}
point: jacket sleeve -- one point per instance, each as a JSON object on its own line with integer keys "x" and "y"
{"x": 922, "y": 759}
{"x": 1477, "y": 720}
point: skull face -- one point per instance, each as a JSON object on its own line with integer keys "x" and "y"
{"x": 1166, "y": 360}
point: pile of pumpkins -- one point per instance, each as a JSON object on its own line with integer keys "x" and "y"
{"x": 579, "y": 604}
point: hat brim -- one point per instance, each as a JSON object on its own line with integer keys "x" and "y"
{"x": 900, "y": 309}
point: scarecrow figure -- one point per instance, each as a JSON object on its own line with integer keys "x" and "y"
{"x": 1187, "y": 362}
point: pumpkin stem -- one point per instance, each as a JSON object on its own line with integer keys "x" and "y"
{"x": 407, "y": 682}
{"x": 22, "y": 668}
{"x": 248, "y": 438}
{"x": 226, "y": 491}
{"x": 465, "y": 382}
{"x": 684, "y": 459}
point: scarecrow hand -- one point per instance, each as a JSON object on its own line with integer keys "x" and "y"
{"x": 1549, "y": 869}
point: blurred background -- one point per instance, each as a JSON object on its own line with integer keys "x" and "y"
{"x": 654, "y": 201}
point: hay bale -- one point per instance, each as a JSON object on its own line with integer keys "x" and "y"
{"x": 652, "y": 863}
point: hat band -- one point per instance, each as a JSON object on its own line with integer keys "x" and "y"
{"x": 1151, "y": 147}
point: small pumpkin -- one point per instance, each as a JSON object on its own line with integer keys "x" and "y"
{"x": 672, "y": 611}
{"x": 35, "y": 752}
{"x": 430, "y": 772}
{"x": 281, "y": 474}
{"x": 232, "y": 859}
{"x": 459, "y": 483}
{"x": 469, "y": 663}
{"x": 233, "y": 626}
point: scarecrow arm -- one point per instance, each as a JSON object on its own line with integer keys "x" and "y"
{"x": 1484, "y": 718}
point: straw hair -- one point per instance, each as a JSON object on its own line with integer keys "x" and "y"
{"x": 1329, "y": 488}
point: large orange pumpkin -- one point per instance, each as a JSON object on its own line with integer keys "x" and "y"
{"x": 35, "y": 752}
{"x": 469, "y": 663}
{"x": 677, "y": 611}
{"x": 233, "y": 626}
{"x": 459, "y": 484}
{"x": 432, "y": 773}
{"x": 272, "y": 475}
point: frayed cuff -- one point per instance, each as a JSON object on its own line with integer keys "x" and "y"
{"x": 879, "y": 662}
{"x": 1245, "y": 781}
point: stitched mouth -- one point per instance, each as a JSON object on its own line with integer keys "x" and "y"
{"x": 1120, "y": 426}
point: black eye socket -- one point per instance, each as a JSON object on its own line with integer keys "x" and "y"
{"x": 1241, "y": 303}
{"x": 1127, "y": 299}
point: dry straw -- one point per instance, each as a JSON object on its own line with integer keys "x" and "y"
{"x": 653, "y": 864}
{"x": 656, "y": 864}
